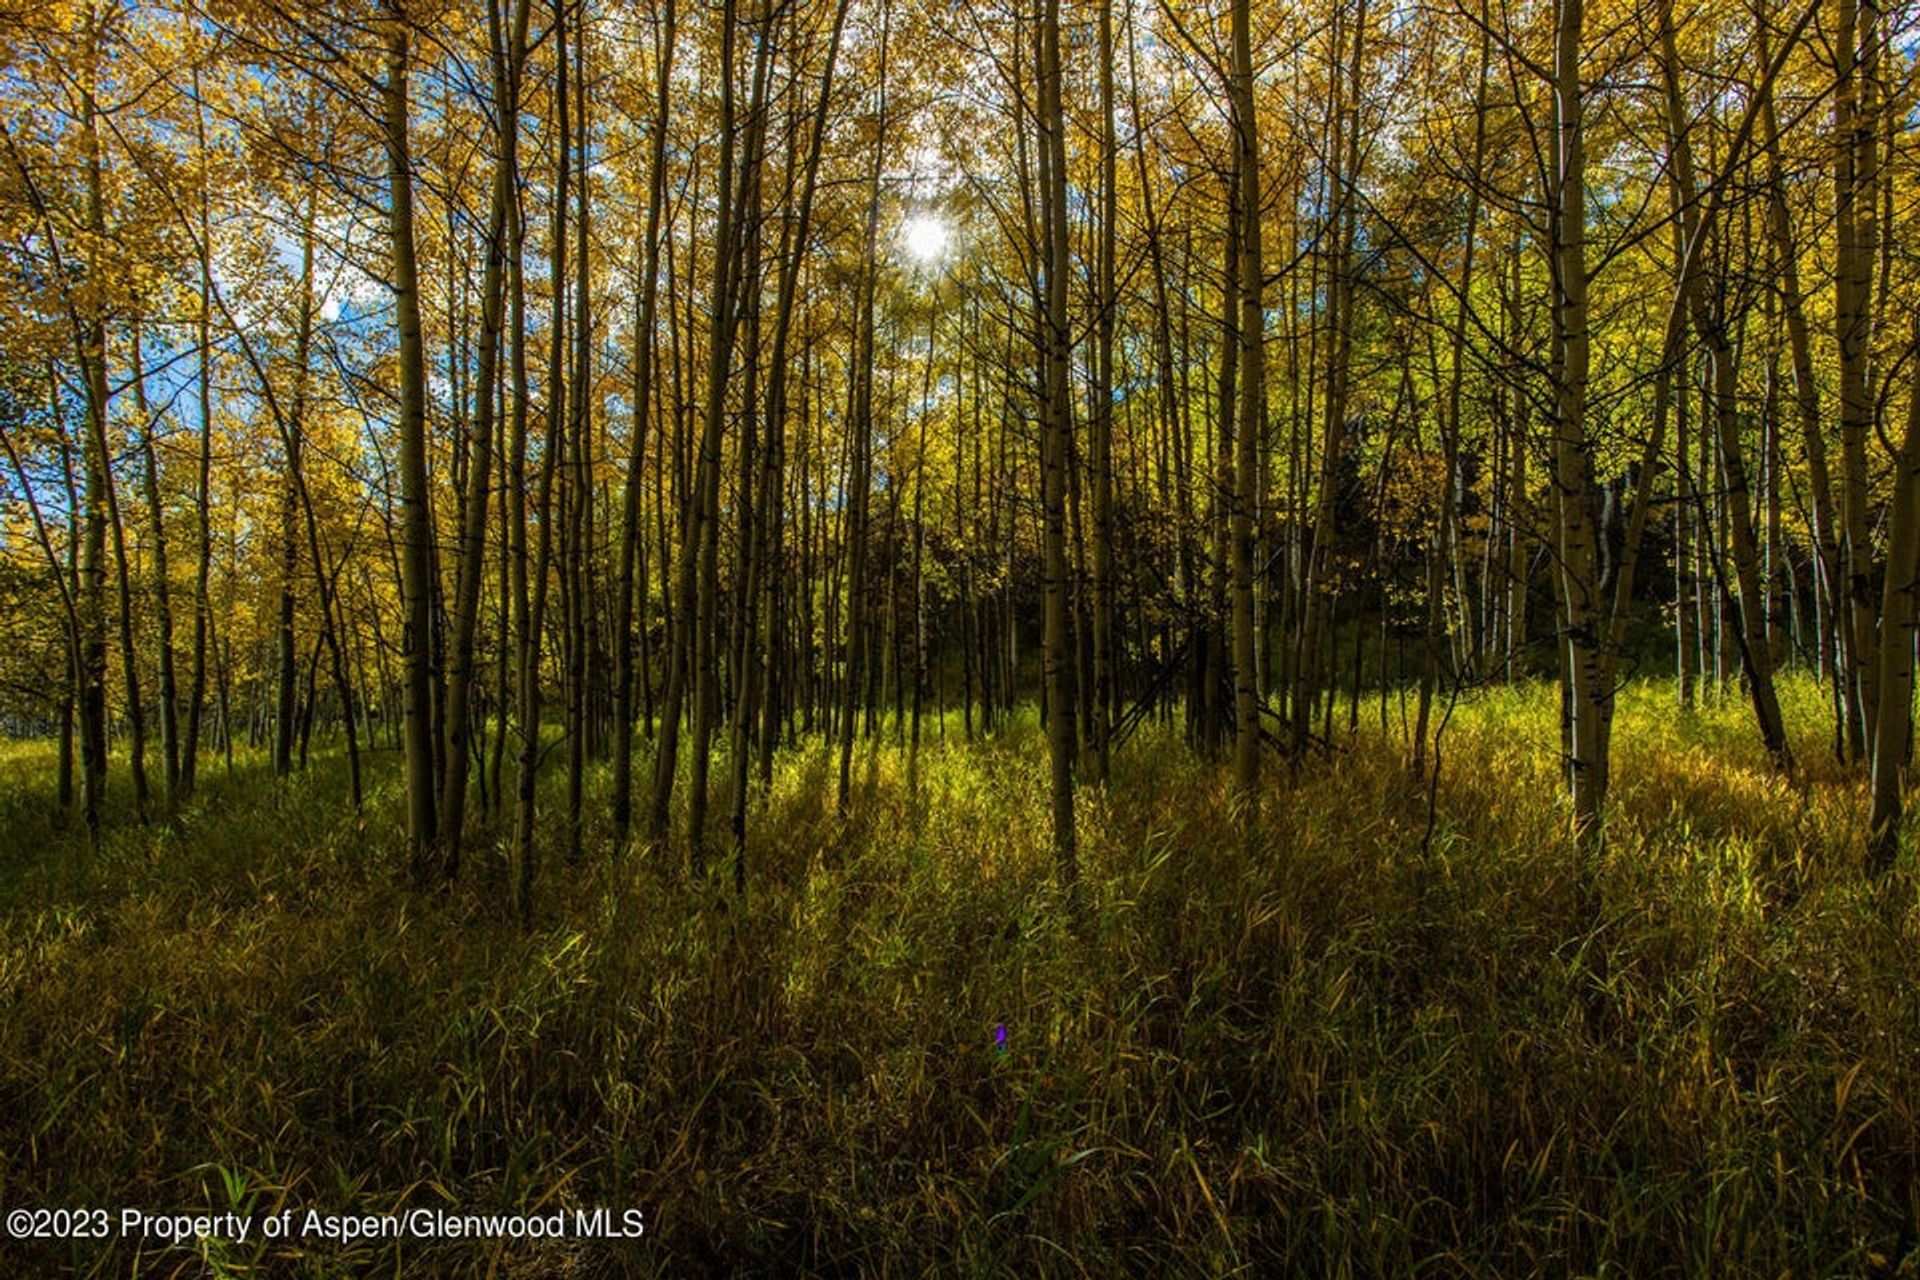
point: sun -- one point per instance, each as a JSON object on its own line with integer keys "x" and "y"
{"x": 925, "y": 237}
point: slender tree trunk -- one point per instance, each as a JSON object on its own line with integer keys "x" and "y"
{"x": 416, "y": 578}
{"x": 203, "y": 483}
{"x": 1853, "y": 248}
{"x": 919, "y": 557}
{"x": 508, "y": 40}
{"x": 577, "y": 504}
{"x": 1588, "y": 695}
{"x": 738, "y": 242}
{"x": 1252, "y": 415}
{"x": 1893, "y": 719}
{"x": 1100, "y": 423}
{"x": 1711, "y": 322}
{"x": 161, "y": 583}
{"x": 1345, "y": 145}
{"x": 764, "y": 587}
{"x": 285, "y": 658}
{"x": 129, "y": 662}
{"x": 529, "y": 576}
{"x": 854, "y": 534}
{"x": 753, "y": 492}
{"x": 693, "y": 637}
{"x": 631, "y": 550}
{"x": 91, "y": 325}
{"x": 1056, "y": 440}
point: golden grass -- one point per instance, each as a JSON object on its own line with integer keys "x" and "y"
{"x": 1337, "y": 1053}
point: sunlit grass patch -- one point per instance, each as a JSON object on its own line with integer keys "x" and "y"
{"x": 1380, "y": 1038}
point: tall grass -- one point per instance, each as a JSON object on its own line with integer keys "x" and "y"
{"x": 1358, "y": 1048}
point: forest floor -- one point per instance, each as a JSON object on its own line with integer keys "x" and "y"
{"x": 1349, "y": 1050}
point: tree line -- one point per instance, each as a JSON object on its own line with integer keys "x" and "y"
{"x": 513, "y": 384}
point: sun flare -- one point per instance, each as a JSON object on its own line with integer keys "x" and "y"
{"x": 925, "y": 237}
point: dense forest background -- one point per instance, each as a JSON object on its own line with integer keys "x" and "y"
{"x": 1096, "y": 479}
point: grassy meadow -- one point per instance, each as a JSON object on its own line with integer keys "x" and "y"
{"x": 1377, "y": 1042}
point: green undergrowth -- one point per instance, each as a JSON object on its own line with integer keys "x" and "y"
{"x": 1375, "y": 1040}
